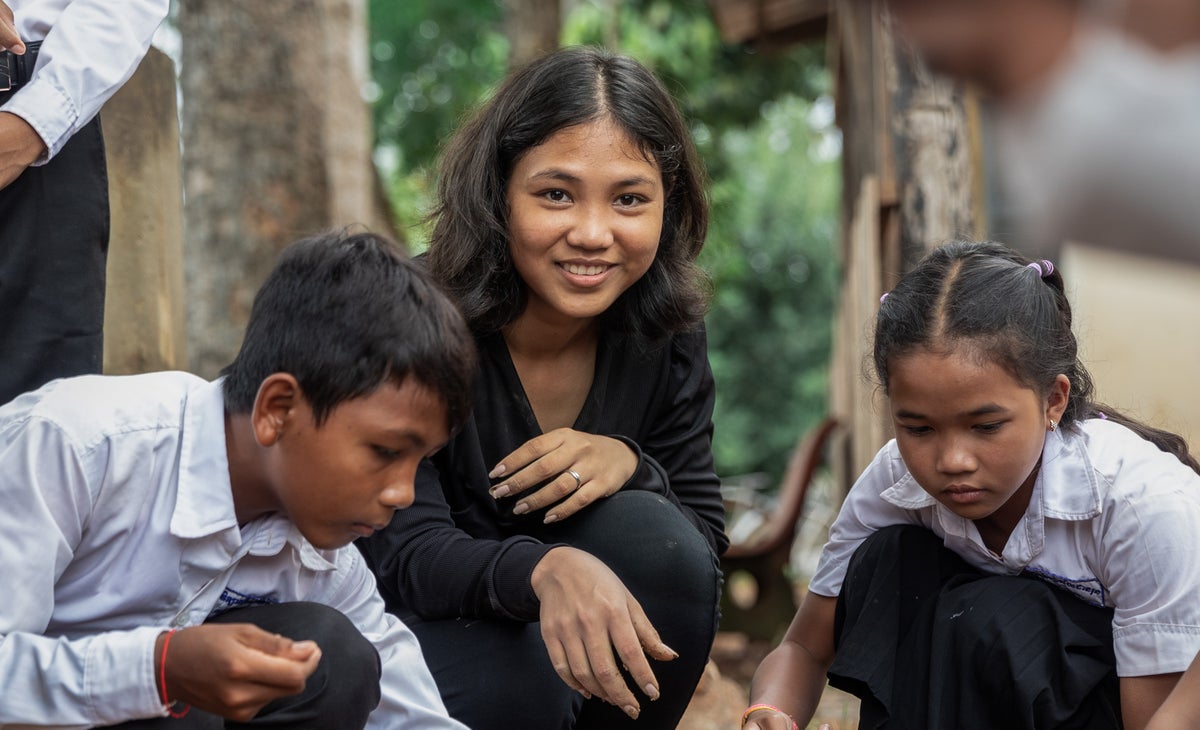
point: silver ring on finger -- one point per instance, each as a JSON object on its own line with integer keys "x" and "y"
{"x": 578, "y": 479}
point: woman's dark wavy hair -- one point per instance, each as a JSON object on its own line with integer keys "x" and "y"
{"x": 344, "y": 313}
{"x": 469, "y": 248}
{"x": 1007, "y": 312}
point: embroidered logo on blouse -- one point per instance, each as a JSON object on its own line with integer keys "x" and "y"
{"x": 1088, "y": 590}
{"x": 231, "y": 599}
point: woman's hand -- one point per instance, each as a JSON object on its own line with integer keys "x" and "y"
{"x": 575, "y": 469}
{"x": 586, "y": 612}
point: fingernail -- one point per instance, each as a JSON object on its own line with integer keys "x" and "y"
{"x": 674, "y": 654}
{"x": 651, "y": 691}
{"x": 520, "y": 509}
{"x": 631, "y": 711}
{"x": 586, "y": 695}
{"x": 500, "y": 491}
{"x": 550, "y": 518}
{"x": 500, "y": 469}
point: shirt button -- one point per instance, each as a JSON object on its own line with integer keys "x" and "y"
{"x": 180, "y": 621}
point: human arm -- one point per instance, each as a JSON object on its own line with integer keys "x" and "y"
{"x": 1142, "y": 696}
{"x": 1156, "y": 620}
{"x": 1181, "y": 710}
{"x": 665, "y": 447}
{"x": 792, "y": 676}
{"x": 80, "y": 681}
{"x": 427, "y": 562}
{"x": 586, "y": 612}
{"x": 20, "y": 145}
{"x": 92, "y": 49}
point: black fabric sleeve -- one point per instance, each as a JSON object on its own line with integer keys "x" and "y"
{"x": 675, "y": 458}
{"x": 423, "y": 562}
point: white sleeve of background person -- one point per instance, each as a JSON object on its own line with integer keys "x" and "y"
{"x": 90, "y": 48}
{"x": 409, "y": 695}
{"x": 45, "y": 503}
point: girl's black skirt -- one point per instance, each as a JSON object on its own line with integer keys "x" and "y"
{"x": 927, "y": 641}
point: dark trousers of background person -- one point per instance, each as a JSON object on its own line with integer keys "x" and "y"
{"x": 53, "y": 246}
{"x": 340, "y": 694}
{"x": 927, "y": 641}
{"x": 496, "y": 675}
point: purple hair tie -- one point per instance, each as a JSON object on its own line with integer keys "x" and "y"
{"x": 885, "y": 296}
{"x": 1044, "y": 268}
{"x": 1101, "y": 415}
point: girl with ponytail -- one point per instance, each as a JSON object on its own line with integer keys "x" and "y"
{"x": 1019, "y": 556}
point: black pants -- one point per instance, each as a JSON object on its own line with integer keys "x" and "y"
{"x": 496, "y": 675}
{"x": 927, "y": 641}
{"x": 340, "y": 694}
{"x": 53, "y": 246}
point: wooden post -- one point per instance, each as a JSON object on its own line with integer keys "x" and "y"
{"x": 144, "y": 314}
{"x": 910, "y": 182}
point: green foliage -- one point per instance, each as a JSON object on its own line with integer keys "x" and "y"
{"x": 761, "y": 122}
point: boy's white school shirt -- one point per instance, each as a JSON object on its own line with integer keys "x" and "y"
{"x": 117, "y": 523}
{"x": 1112, "y": 519}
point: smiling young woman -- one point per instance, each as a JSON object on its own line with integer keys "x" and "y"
{"x": 559, "y": 563}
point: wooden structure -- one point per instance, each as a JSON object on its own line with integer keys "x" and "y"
{"x": 767, "y": 554}
{"x": 144, "y": 302}
{"x": 910, "y": 170}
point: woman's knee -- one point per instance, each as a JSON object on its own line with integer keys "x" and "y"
{"x": 646, "y": 541}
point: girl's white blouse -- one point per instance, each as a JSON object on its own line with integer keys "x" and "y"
{"x": 1113, "y": 520}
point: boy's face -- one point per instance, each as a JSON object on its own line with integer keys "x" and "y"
{"x": 344, "y": 479}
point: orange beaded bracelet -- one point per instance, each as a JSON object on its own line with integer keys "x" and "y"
{"x": 755, "y": 708}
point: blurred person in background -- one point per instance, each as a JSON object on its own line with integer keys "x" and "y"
{"x": 1094, "y": 113}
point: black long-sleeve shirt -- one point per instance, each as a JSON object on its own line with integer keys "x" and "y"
{"x": 458, "y": 552}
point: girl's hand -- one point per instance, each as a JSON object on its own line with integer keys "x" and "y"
{"x": 765, "y": 719}
{"x": 603, "y": 465}
{"x": 586, "y": 613}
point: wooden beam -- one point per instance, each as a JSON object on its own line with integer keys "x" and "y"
{"x": 772, "y": 22}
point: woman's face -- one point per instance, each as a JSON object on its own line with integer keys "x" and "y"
{"x": 969, "y": 433}
{"x": 585, "y": 217}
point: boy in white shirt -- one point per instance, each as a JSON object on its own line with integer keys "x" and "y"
{"x": 173, "y": 544}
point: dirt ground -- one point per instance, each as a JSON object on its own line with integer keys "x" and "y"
{"x": 737, "y": 657}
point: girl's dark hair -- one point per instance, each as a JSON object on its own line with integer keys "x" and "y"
{"x": 469, "y": 248}
{"x": 345, "y": 312}
{"x": 1009, "y": 313}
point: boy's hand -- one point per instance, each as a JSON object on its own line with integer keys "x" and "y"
{"x": 603, "y": 464}
{"x": 233, "y": 670}
{"x": 586, "y": 612}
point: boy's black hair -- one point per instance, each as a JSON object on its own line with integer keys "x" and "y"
{"x": 469, "y": 247}
{"x": 987, "y": 298}
{"x": 345, "y": 312}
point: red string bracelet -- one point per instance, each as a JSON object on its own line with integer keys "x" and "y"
{"x": 162, "y": 680}
{"x": 755, "y": 708}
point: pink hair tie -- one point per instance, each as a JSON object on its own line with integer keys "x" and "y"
{"x": 1043, "y": 269}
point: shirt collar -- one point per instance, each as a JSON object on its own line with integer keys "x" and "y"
{"x": 204, "y": 502}
{"x": 204, "y": 498}
{"x": 1067, "y": 482}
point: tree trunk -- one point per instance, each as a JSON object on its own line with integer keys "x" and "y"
{"x": 276, "y": 143}
{"x": 532, "y": 27}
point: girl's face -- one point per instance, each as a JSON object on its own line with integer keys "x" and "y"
{"x": 969, "y": 432}
{"x": 585, "y": 217}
